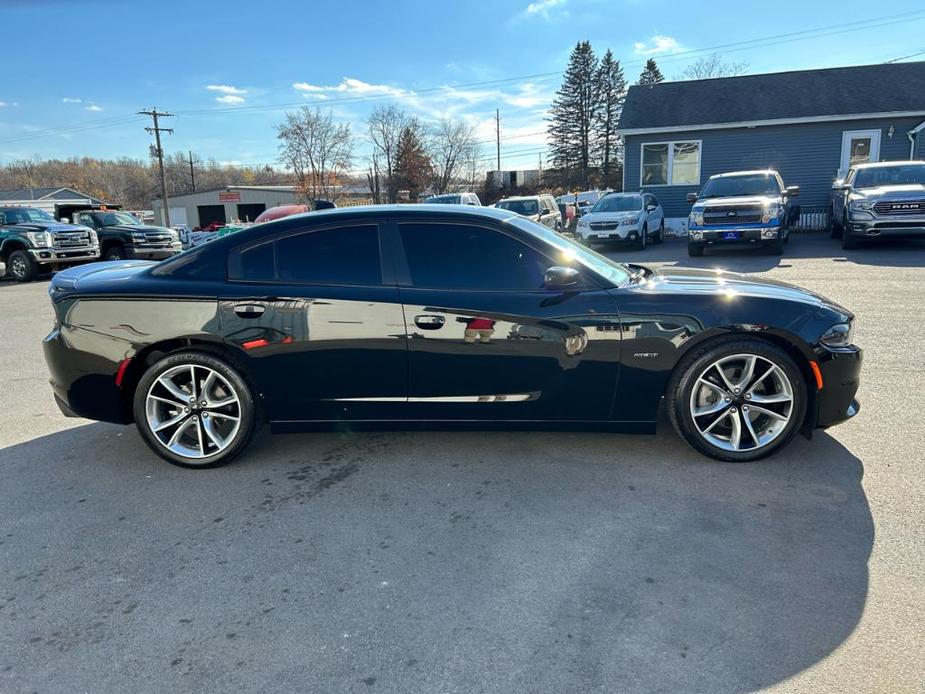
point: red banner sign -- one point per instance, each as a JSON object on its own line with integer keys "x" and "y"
{"x": 229, "y": 197}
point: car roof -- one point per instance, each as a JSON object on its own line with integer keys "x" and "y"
{"x": 625, "y": 194}
{"x": 755, "y": 172}
{"x": 883, "y": 164}
{"x": 525, "y": 197}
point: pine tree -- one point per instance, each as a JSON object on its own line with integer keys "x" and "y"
{"x": 651, "y": 74}
{"x": 573, "y": 113}
{"x": 611, "y": 90}
{"x": 412, "y": 170}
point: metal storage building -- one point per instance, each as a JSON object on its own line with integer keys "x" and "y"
{"x": 223, "y": 205}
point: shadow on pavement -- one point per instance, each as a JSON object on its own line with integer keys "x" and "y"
{"x": 426, "y": 562}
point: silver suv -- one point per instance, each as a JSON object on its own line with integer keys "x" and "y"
{"x": 539, "y": 208}
{"x": 884, "y": 200}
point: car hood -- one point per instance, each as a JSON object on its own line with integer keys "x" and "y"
{"x": 908, "y": 190}
{"x": 740, "y": 200}
{"x": 97, "y": 276}
{"x": 53, "y": 227}
{"x": 139, "y": 229}
{"x": 730, "y": 284}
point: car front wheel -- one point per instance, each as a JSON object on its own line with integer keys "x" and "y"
{"x": 738, "y": 401}
{"x": 194, "y": 410}
{"x": 21, "y": 267}
{"x": 115, "y": 253}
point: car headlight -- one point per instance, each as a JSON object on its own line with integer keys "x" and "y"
{"x": 94, "y": 239}
{"x": 583, "y": 222}
{"x": 632, "y": 219}
{"x": 138, "y": 238}
{"x": 864, "y": 205}
{"x": 838, "y": 336}
{"x": 39, "y": 239}
{"x": 697, "y": 216}
{"x": 770, "y": 211}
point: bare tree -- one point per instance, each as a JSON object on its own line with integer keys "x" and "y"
{"x": 386, "y": 125}
{"x": 709, "y": 66}
{"x": 450, "y": 145}
{"x": 317, "y": 149}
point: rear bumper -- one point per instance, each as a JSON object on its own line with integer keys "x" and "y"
{"x": 841, "y": 376}
{"x": 63, "y": 256}
{"x": 81, "y": 382}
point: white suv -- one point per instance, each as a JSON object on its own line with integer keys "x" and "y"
{"x": 539, "y": 208}
{"x": 634, "y": 218}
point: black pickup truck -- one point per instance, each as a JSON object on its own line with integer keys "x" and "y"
{"x": 32, "y": 241}
{"x": 123, "y": 236}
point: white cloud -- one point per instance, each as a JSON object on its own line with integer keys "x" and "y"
{"x": 226, "y": 89}
{"x": 230, "y": 99}
{"x": 351, "y": 87}
{"x": 93, "y": 107}
{"x": 542, "y": 7}
{"x": 657, "y": 45}
{"x": 71, "y": 100}
{"x": 3, "y": 104}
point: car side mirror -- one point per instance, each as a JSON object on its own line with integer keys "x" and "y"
{"x": 559, "y": 277}
{"x": 692, "y": 198}
{"x": 65, "y": 220}
{"x": 793, "y": 191}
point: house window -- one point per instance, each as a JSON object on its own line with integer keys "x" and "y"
{"x": 670, "y": 163}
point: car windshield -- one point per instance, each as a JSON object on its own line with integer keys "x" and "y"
{"x": 26, "y": 215}
{"x": 444, "y": 199}
{"x": 110, "y": 219}
{"x": 618, "y": 203}
{"x": 524, "y": 207}
{"x": 572, "y": 252}
{"x": 890, "y": 176}
{"x": 730, "y": 186}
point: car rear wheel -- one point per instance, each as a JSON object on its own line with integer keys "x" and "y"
{"x": 661, "y": 232}
{"x": 737, "y": 401}
{"x": 194, "y": 410}
{"x": 21, "y": 267}
{"x": 643, "y": 238}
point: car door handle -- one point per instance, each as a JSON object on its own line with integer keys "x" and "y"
{"x": 428, "y": 322}
{"x": 249, "y": 310}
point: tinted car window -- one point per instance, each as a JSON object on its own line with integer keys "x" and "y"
{"x": 348, "y": 255}
{"x": 456, "y": 256}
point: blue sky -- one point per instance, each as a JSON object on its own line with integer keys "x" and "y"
{"x": 231, "y": 69}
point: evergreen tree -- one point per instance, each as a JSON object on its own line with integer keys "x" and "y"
{"x": 611, "y": 90}
{"x": 651, "y": 74}
{"x": 413, "y": 169}
{"x": 572, "y": 116}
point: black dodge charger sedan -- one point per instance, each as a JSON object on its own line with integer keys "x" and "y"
{"x": 430, "y": 315}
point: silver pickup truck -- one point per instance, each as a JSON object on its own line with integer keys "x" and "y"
{"x": 884, "y": 200}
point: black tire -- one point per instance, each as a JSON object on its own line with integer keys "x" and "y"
{"x": 835, "y": 227}
{"x": 849, "y": 243}
{"x": 661, "y": 232}
{"x": 643, "y": 238}
{"x": 692, "y": 366}
{"x": 776, "y": 247}
{"x": 248, "y": 409}
{"x": 115, "y": 253}
{"x": 694, "y": 251}
{"x": 21, "y": 267}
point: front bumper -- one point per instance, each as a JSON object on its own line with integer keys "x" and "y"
{"x": 733, "y": 237}
{"x": 841, "y": 376}
{"x": 64, "y": 255}
{"x": 624, "y": 233}
{"x": 149, "y": 253}
{"x": 880, "y": 227}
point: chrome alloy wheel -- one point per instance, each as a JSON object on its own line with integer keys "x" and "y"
{"x": 18, "y": 267}
{"x": 742, "y": 402}
{"x": 193, "y": 411}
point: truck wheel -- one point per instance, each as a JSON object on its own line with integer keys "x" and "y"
{"x": 21, "y": 267}
{"x": 849, "y": 243}
{"x": 835, "y": 227}
{"x": 776, "y": 247}
{"x": 694, "y": 251}
{"x": 115, "y": 253}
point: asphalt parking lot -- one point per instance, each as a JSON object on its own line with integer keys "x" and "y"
{"x": 477, "y": 562}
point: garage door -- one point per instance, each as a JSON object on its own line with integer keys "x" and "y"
{"x": 211, "y": 213}
{"x": 177, "y": 216}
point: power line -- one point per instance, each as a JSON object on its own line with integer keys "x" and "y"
{"x": 904, "y": 57}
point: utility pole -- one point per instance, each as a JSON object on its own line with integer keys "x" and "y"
{"x": 498, "y": 135}
{"x": 192, "y": 173}
{"x": 155, "y": 114}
